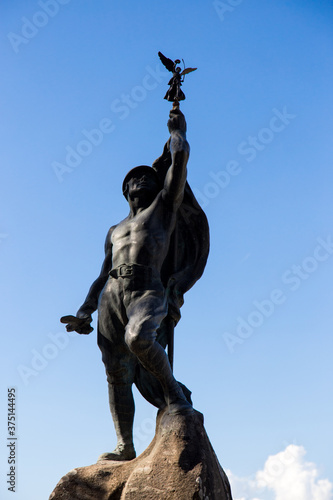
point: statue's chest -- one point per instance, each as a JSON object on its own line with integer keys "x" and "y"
{"x": 132, "y": 229}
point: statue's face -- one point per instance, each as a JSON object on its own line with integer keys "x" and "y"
{"x": 142, "y": 185}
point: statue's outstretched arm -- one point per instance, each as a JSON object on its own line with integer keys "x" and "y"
{"x": 81, "y": 322}
{"x": 90, "y": 304}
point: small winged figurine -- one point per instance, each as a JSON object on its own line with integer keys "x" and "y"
{"x": 175, "y": 94}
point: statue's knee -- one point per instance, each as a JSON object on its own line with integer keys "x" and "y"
{"x": 136, "y": 340}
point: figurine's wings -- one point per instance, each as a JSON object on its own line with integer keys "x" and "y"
{"x": 168, "y": 63}
{"x": 187, "y": 70}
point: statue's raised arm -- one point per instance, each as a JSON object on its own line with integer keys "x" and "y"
{"x": 175, "y": 179}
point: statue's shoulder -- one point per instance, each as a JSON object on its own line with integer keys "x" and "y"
{"x": 110, "y": 231}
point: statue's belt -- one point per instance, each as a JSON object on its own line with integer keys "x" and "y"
{"x": 135, "y": 270}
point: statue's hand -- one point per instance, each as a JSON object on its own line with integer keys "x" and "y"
{"x": 176, "y": 121}
{"x": 79, "y": 325}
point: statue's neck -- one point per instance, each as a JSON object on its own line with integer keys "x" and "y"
{"x": 137, "y": 205}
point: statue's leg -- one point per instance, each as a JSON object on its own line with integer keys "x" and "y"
{"x": 120, "y": 375}
{"x": 155, "y": 360}
{"x": 122, "y": 411}
{"x": 120, "y": 366}
{"x": 144, "y": 317}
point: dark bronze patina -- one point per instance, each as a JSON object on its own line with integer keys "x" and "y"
{"x": 152, "y": 258}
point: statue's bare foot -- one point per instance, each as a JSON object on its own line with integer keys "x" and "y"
{"x": 121, "y": 453}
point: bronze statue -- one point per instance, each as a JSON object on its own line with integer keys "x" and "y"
{"x": 175, "y": 93}
{"x": 152, "y": 258}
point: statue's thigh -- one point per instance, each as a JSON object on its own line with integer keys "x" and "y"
{"x": 112, "y": 319}
{"x": 145, "y": 313}
{"x": 118, "y": 360}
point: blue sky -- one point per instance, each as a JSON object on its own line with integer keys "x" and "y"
{"x": 255, "y": 339}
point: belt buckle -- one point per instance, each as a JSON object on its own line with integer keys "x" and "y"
{"x": 125, "y": 270}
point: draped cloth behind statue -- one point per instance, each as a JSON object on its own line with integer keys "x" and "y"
{"x": 183, "y": 266}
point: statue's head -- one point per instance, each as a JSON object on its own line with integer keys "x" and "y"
{"x": 141, "y": 178}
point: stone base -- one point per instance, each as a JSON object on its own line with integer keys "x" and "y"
{"x": 179, "y": 464}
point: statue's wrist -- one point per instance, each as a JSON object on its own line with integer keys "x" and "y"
{"x": 84, "y": 312}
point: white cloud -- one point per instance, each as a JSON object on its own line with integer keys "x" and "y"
{"x": 285, "y": 476}
{"x": 246, "y": 488}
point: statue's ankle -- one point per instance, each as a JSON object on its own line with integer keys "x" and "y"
{"x": 122, "y": 452}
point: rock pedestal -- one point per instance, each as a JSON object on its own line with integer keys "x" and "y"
{"x": 179, "y": 464}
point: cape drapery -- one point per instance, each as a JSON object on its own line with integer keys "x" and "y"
{"x": 183, "y": 266}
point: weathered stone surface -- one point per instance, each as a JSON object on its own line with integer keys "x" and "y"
{"x": 179, "y": 464}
